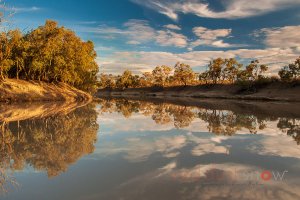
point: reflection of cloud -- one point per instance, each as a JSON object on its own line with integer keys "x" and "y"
{"x": 208, "y": 145}
{"x": 139, "y": 145}
{"x": 168, "y": 146}
{"x": 117, "y": 123}
{"x": 176, "y": 184}
{"x": 231, "y": 171}
{"x": 203, "y": 149}
{"x": 279, "y": 145}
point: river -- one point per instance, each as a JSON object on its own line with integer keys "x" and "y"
{"x": 151, "y": 149}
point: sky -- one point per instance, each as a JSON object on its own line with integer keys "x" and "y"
{"x": 141, "y": 34}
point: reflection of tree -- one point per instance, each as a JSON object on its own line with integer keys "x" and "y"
{"x": 291, "y": 127}
{"x": 127, "y": 107}
{"x": 6, "y": 181}
{"x": 50, "y": 143}
{"x": 161, "y": 114}
{"x": 228, "y": 123}
{"x": 221, "y": 122}
{"x": 123, "y": 106}
{"x": 183, "y": 116}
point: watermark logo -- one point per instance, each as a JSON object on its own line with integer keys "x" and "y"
{"x": 273, "y": 175}
{"x": 255, "y": 177}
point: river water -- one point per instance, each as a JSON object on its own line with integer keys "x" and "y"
{"x": 129, "y": 149}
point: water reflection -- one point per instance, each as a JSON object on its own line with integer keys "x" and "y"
{"x": 219, "y": 122}
{"x": 153, "y": 150}
{"x": 49, "y": 144}
{"x": 200, "y": 152}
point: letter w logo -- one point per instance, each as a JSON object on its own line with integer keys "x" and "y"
{"x": 277, "y": 176}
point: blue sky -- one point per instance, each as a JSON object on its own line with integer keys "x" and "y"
{"x": 140, "y": 34}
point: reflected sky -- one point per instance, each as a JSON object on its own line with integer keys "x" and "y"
{"x": 127, "y": 149}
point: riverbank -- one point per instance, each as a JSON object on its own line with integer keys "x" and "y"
{"x": 268, "y": 92}
{"x": 12, "y": 90}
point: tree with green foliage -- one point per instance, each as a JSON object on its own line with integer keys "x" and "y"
{"x": 48, "y": 53}
{"x": 161, "y": 74}
{"x": 183, "y": 74}
{"x": 107, "y": 81}
{"x": 126, "y": 80}
{"x": 253, "y": 71}
{"x": 231, "y": 70}
{"x": 147, "y": 79}
{"x": 215, "y": 69}
{"x": 136, "y": 81}
{"x": 204, "y": 76}
{"x": 5, "y": 55}
{"x": 290, "y": 72}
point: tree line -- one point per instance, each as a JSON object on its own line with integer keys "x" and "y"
{"x": 48, "y": 53}
{"x": 219, "y": 71}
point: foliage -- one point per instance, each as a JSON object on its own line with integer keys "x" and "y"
{"x": 290, "y": 72}
{"x": 253, "y": 71}
{"x": 49, "y": 144}
{"x": 183, "y": 74}
{"x": 161, "y": 74}
{"x": 48, "y": 53}
{"x": 126, "y": 80}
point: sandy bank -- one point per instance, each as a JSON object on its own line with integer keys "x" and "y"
{"x": 12, "y": 90}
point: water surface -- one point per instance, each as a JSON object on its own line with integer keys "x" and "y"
{"x": 130, "y": 149}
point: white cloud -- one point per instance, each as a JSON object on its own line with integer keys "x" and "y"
{"x": 210, "y": 37}
{"x": 141, "y": 61}
{"x": 283, "y": 37}
{"x": 25, "y": 9}
{"x": 232, "y": 9}
{"x": 170, "y": 38}
{"x": 139, "y": 31}
{"x": 133, "y": 42}
{"x": 209, "y": 34}
{"x": 172, "y": 26}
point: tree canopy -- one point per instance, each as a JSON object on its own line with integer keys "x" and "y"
{"x": 49, "y": 53}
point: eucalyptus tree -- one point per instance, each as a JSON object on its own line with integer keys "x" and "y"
{"x": 290, "y": 72}
{"x": 215, "y": 69}
{"x": 183, "y": 74}
{"x": 231, "y": 70}
{"x": 161, "y": 74}
{"x": 126, "y": 80}
{"x": 253, "y": 71}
